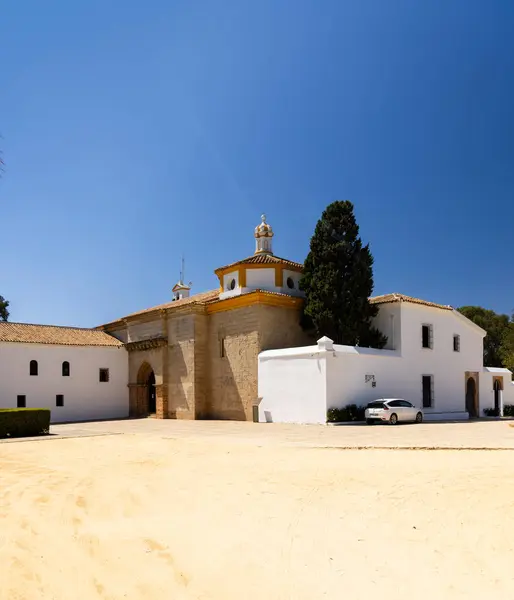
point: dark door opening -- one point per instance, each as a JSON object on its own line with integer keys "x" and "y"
{"x": 471, "y": 398}
{"x": 497, "y": 389}
{"x": 150, "y": 384}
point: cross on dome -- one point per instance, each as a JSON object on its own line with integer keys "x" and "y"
{"x": 263, "y": 235}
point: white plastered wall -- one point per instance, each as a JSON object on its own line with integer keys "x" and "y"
{"x": 85, "y": 397}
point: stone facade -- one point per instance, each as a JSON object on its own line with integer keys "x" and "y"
{"x": 197, "y": 356}
{"x": 204, "y": 356}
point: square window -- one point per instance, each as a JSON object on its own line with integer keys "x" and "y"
{"x": 104, "y": 375}
{"x": 59, "y": 400}
{"x": 427, "y": 383}
{"x": 456, "y": 343}
{"x": 21, "y": 401}
{"x": 427, "y": 336}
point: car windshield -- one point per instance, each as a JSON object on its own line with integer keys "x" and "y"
{"x": 377, "y": 404}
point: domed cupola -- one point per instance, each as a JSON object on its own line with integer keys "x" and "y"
{"x": 263, "y": 271}
{"x": 263, "y": 236}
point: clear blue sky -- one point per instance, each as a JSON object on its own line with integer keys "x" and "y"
{"x": 135, "y": 131}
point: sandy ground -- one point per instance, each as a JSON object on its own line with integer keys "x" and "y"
{"x": 139, "y": 516}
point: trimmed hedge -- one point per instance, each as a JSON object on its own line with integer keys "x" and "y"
{"x": 24, "y": 422}
{"x": 349, "y": 413}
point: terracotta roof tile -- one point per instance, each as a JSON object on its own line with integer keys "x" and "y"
{"x": 262, "y": 259}
{"x": 54, "y": 334}
{"x": 201, "y": 298}
{"x": 386, "y": 298}
{"x": 256, "y": 291}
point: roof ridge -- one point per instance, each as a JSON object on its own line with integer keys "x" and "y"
{"x": 45, "y": 325}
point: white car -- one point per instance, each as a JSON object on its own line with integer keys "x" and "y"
{"x": 392, "y": 411}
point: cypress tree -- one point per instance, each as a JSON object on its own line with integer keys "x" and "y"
{"x": 338, "y": 281}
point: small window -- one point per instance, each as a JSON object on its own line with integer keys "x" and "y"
{"x": 456, "y": 343}
{"x": 104, "y": 375}
{"x": 232, "y": 284}
{"x": 222, "y": 347}
{"x": 65, "y": 369}
{"x": 427, "y": 337}
{"x": 33, "y": 369}
{"x": 21, "y": 401}
{"x": 59, "y": 400}
{"x": 427, "y": 382}
{"x": 290, "y": 283}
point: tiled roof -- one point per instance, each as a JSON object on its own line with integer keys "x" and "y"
{"x": 53, "y": 334}
{"x": 195, "y": 299}
{"x": 263, "y": 259}
{"x": 386, "y": 298}
{"x": 256, "y": 291}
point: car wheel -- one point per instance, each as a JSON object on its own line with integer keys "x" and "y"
{"x": 393, "y": 419}
{"x": 369, "y": 421}
{"x": 419, "y": 417}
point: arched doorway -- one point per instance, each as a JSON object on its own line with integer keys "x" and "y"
{"x": 471, "y": 396}
{"x": 146, "y": 386}
{"x": 497, "y": 387}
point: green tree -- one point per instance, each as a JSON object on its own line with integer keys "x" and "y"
{"x": 4, "y": 313}
{"x": 338, "y": 281}
{"x": 496, "y": 327}
{"x": 507, "y": 346}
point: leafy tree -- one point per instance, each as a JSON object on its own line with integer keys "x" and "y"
{"x": 338, "y": 281}
{"x": 497, "y": 327}
{"x": 4, "y": 313}
{"x": 507, "y": 346}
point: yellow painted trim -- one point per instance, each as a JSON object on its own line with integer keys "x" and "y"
{"x": 279, "y": 276}
{"x": 253, "y": 298}
{"x": 236, "y": 266}
{"x": 242, "y": 276}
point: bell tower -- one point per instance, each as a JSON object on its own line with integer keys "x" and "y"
{"x": 263, "y": 237}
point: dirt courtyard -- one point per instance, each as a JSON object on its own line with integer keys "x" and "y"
{"x": 154, "y": 513}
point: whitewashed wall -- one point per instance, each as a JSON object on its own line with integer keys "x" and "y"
{"x": 486, "y": 381}
{"x": 85, "y": 397}
{"x": 292, "y": 383}
{"x": 300, "y": 384}
{"x": 447, "y": 367}
{"x": 388, "y": 321}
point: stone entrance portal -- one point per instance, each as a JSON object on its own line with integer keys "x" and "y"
{"x": 143, "y": 394}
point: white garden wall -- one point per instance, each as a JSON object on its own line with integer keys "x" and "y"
{"x": 85, "y": 397}
{"x": 292, "y": 384}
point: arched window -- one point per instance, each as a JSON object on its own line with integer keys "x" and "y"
{"x": 65, "y": 369}
{"x": 33, "y": 367}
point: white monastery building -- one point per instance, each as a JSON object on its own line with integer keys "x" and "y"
{"x": 79, "y": 374}
{"x": 238, "y": 352}
{"x": 433, "y": 358}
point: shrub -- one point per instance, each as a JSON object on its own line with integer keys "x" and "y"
{"x": 24, "y": 422}
{"x": 351, "y": 412}
{"x": 490, "y": 412}
{"x": 508, "y": 410}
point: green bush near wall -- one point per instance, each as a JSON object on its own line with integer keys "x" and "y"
{"x": 508, "y": 411}
{"x": 349, "y": 413}
{"x": 24, "y": 422}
